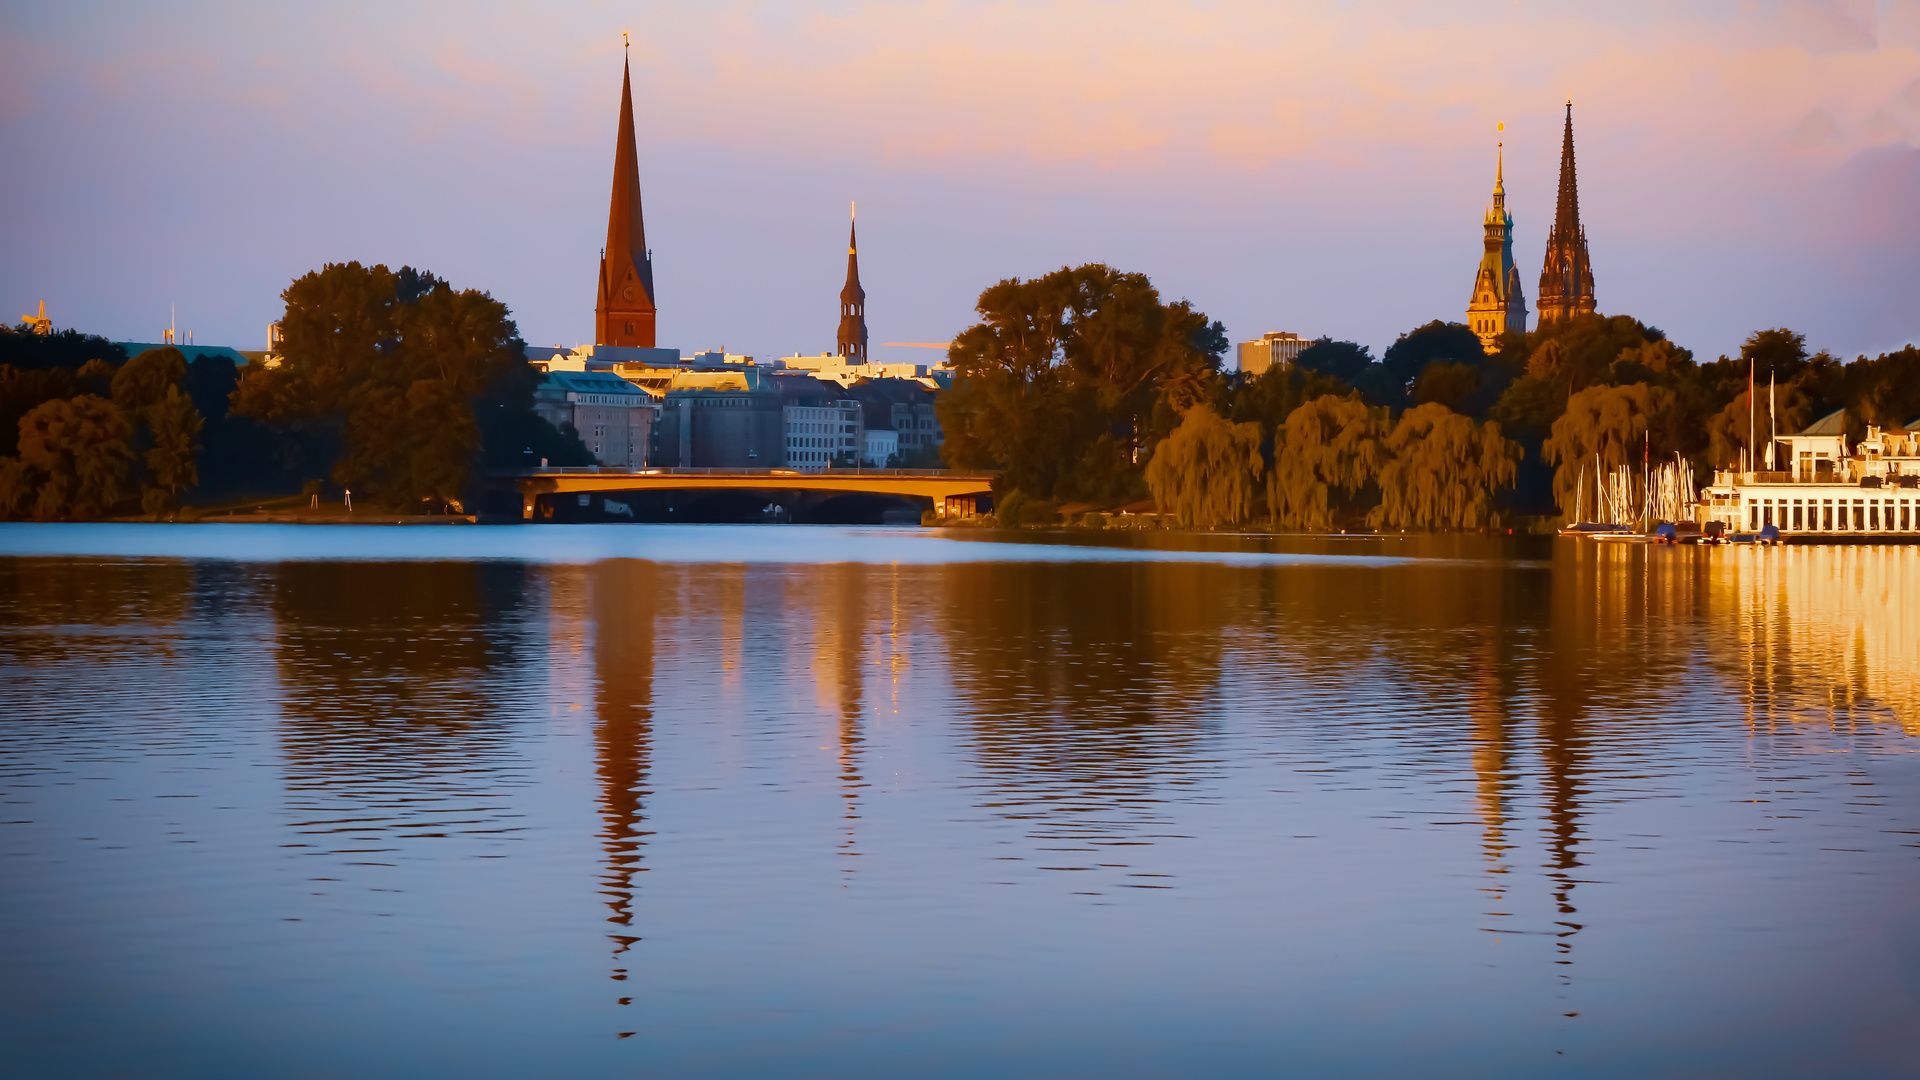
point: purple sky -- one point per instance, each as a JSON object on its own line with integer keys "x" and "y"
{"x": 1319, "y": 168}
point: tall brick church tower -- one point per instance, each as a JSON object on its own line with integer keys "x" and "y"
{"x": 1566, "y": 282}
{"x": 853, "y": 305}
{"x": 624, "y": 312}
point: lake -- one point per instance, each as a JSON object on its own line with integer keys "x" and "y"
{"x": 314, "y": 801}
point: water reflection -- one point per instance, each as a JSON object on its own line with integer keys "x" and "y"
{"x": 623, "y": 599}
{"x": 391, "y": 682}
{"x": 1306, "y": 771}
{"x": 1826, "y": 633}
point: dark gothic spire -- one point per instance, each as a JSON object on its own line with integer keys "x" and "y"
{"x": 1566, "y": 281}
{"x": 1566, "y": 214}
{"x": 624, "y": 313}
{"x": 853, "y": 303}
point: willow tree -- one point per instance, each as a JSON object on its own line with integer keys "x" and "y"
{"x": 1443, "y": 471}
{"x": 1328, "y": 449}
{"x": 1205, "y": 471}
{"x": 1610, "y": 423}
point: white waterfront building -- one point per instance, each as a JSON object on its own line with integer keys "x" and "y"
{"x": 1828, "y": 489}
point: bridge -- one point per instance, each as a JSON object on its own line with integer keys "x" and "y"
{"x": 836, "y": 496}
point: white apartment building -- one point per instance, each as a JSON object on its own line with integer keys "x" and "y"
{"x": 1269, "y": 351}
{"x": 820, "y": 435}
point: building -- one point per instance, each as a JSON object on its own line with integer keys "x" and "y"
{"x": 905, "y": 408}
{"x": 823, "y": 423}
{"x": 1497, "y": 305}
{"x": 191, "y": 352}
{"x": 1566, "y": 281}
{"x": 1868, "y": 491}
{"x": 853, "y": 305}
{"x": 882, "y": 448}
{"x": 612, "y": 416}
{"x": 600, "y": 357}
{"x": 624, "y": 310}
{"x": 718, "y": 418}
{"x": 38, "y": 324}
{"x": 834, "y": 368}
{"x": 1270, "y": 351}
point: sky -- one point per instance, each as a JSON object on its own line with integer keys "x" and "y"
{"x": 1319, "y": 168}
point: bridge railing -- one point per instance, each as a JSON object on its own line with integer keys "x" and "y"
{"x": 715, "y": 470}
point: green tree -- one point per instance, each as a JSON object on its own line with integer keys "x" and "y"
{"x": 1205, "y": 471}
{"x": 1329, "y": 451}
{"x": 396, "y": 364}
{"x": 1437, "y": 342}
{"x": 1343, "y": 360}
{"x": 1061, "y": 383}
{"x": 74, "y": 454}
{"x": 173, "y": 426}
{"x": 1441, "y": 470}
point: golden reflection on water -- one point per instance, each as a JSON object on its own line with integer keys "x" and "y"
{"x": 1826, "y": 633}
{"x": 1083, "y": 694}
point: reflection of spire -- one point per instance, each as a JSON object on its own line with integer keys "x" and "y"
{"x": 1561, "y": 745}
{"x": 839, "y": 656}
{"x": 622, "y": 605}
{"x": 1487, "y": 705}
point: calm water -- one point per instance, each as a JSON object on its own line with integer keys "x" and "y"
{"x": 632, "y": 800}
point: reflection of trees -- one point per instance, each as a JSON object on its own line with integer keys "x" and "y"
{"x": 624, "y": 601}
{"x": 1087, "y": 685}
{"x": 391, "y": 675}
{"x": 44, "y": 595}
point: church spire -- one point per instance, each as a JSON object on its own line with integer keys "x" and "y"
{"x": 624, "y": 312}
{"x": 1566, "y": 281}
{"x": 853, "y": 301}
{"x": 1497, "y": 305}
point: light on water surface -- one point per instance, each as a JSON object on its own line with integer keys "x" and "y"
{"x": 802, "y": 802}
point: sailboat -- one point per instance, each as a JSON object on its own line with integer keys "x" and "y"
{"x": 1593, "y": 529}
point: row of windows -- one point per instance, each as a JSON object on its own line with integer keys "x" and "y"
{"x": 1831, "y": 515}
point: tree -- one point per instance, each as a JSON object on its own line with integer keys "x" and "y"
{"x": 1441, "y": 470}
{"x": 66, "y": 350}
{"x": 1343, "y": 360}
{"x": 1608, "y": 423}
{"x": 73, "y": 459}
{"x": 1330, "y": 450}
{"x": 394, "y": 365}
{"x": 147, "y": 389}
{"x": 1205, "y": 471}
{"x": 174, "y": 427}
{"x": 1437, "y": 342}
{"x": 1062, "y": 383}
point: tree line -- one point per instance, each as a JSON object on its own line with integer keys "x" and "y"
{"x": 1090, "y": 392}
{"x": 390, "y": 383}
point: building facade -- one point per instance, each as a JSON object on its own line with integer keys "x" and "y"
{"x": 1566, "y": 281}
{"x": 1270, "y": 351}
{"x": 720, "y": 419}
{"x": 624, "y": 311}
{"x": 905, "y": 408}
{"x": 612, "y": 416}
{"x": 1868, "y": 491}
{"x": 823, "y": 425}
{"x": 1497, "y": 305}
